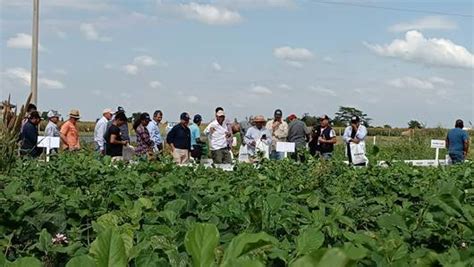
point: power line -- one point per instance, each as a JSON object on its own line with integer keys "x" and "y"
{"x": 393, "y": 8}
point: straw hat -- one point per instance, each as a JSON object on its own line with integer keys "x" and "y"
{"x": 259, "y": 118}
{"x": 74, "y": 113}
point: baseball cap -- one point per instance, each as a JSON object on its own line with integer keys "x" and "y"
{"x": 355, "y": 119}
{"x": 107, "y": 110}
{"x": 145, "y": 117}
{"x": 197, "y": 118}
{"x": 278, "y": 112}
{"x": 184, "y": 116}
{"x": 292, "y": 116}
{"x": 120, "y": 109}
{"x": 53, "y": 113}
{"x": 324, "y": 117}
{"x": 220, "y": 113}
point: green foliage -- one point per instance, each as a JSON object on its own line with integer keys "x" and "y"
{"x": 414, "y": 124}
{"x": 319, "y": 213}
{"x": 343, "y": 116}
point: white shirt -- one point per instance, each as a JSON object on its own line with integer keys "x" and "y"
{"x": 217, "y": 140}
{"x": 99, "y": 132}
{"x": 361, "y": 133}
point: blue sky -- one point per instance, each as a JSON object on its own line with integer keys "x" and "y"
{"x": 249, "y": 56}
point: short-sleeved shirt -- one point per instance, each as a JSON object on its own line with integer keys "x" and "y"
{"x": 51, "y": 129}
{"x": 195, "y": 133}
{"x": 180, "y": 137}
{"x": 456, "y": 138}
{"x": 297, "y": 133}
{"x": 113, "y": 150}
{"x": 72, "y": 135}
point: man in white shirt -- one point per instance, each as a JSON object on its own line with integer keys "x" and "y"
{"x": 355, "y": 133}
{"x": 100, "y": 129}
{"x": 279, "y": 129}
{"x": 256, "y": 134}
{"x": 154, "y": 131}
{"x": 218, "y": 134}
{"x": 52, "y": 128}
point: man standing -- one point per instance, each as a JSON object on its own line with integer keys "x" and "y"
{"x": 154, "y": 130}
{"x": 327, "y": 138}
{"x": 70, "y": 133}
{"x": 100, "y": 129}
{"x": 29, "y": 136}
{"x": 113, "y": 140}
{"x": 279, "y": 130}
{"x": 244, "y": 126}
{"x": 52, "y": 129}
{"x": 179, "y": 138}
{"x": 196, "y": 147}
{"x": 457, "y": 143}
{"x": 218, "y": 133}
{"x": 256, "y": 134}
{"x": 298, "y": 134}
{"x": 355, "y": 133}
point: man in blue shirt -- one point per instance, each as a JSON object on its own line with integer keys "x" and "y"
{"x": 154, "y": 130}
{"x": 196, "y": 147}
{"x": 457, "y": 143}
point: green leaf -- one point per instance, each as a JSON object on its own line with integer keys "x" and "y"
{"x": 355, "y": 252}
{"x": 334, "y": 257}
{"x": 200, "y": 243}
{"x": 246, "y": 243}
{"x": 148, "y": 259}
{"x": 108, "y": 249}
{"x": 25, "y": 262}
{"x": 308, "y": 241}
{"x": 145, "y": 202}
{"x": 244, "y": 263}
{"x": 45, "y": 240}
{"x": 81, "y": 261}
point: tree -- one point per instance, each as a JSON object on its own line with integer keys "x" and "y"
{"x": 387, "y": 126}
{"x": 135, "y": 116}
{"x": 44, "y": 115}
{"x": 310, "y": 120}
{"x": 343, "y": 116}
{"x": 414, "y": 124}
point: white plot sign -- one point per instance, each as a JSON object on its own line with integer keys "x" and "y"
{"x": 438, "y": 143}
{"x": 285, "y": 147}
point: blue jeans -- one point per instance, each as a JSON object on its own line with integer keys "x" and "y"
{"x": 277, "y": 155}
{"x": 456, "y": 158}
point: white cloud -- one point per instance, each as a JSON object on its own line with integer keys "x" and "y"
{"x": 430, "y": 83}
{"x": 285, "y": 87}
{"x": 436, "y": 52}
{"x": 155, "y": 84}
{"x": 295, "y": 64}
{"x": 328, "y": 59}
{"x": 60, "y": 71}
{"x": 260, "y": 90}
{"x": 426, "y": 23}
{"x": 192, "y": 99}
{"x": 323, "y": 90}
{"x": 292, "y": 54}
{"x": 145, "y": 61}
{"x": 24, "y": 77}
{"x": 23, "y": 41}
{"x": 210, "y": 14}
{"x": 216, "y": 66}
{"x": 90, "y": 32}
{"x": 257, "y": 3}
{"x": 130, "y": 69}
{"x": 72, "y": 4}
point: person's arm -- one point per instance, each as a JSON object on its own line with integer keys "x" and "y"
{"x": 63, "y": 133}
{"x": 347, "y": 135}
{"x": 100, "y": 136}
{"x": 332, "y": 138}
{"x": 466, "y": 144}
{"x": 207, "y": 131}
{"x": 170, "y": 139}
{"x": 361, "y": 133}
{"x": 113, "y": 140}
{"x": 447, "y": 142}
{"x": 248, "y": 139}
{"x": 268, "y": 141}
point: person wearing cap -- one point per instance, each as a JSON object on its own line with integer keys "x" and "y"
{"x": 144, "y": 143}
{"x": 69, "y": 132}
{"x": 327, "y": 138}
{"x": 100, "y": 129}
{"x": 113, "y": 138}
{"x": 154, "y": 130}
{"x": 52, "y": 128}
{"x": 279, "y": 129}
{"x": 257, "y": 133}
{"x": 29, "y": 136}
{"x": 30, "y": 108}
{"x": 354, "y": 133}
{"x": 218, "y": 134}
{"x": 179, "y": 139}
{"x": 196, "y": 143}
{"x": 298, "y": 134}
{"x": 229, "y": 124}
{"x": 457, "y": 143}
{"x": 124, "y": 131}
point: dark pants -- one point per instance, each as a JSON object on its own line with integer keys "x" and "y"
{"x": 221, "y": 156}
{"x": 196, "y": 152}
{"x": 456, "y": 158}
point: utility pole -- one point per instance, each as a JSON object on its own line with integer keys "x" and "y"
{"x": 34, "y": 53}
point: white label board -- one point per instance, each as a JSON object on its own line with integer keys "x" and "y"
{"x": 285, "y": 147}
{"x": 438, "y": 143}
{"x": 48, "y": 141}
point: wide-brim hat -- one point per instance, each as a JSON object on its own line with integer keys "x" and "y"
{"x": 74, "y": 113}
{"x": 259, "y": 118}
{"x": 53, "y": 114}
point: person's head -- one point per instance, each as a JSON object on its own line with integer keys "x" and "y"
{"x": 355, "y": 121}
{"x": 278, "y": 115}
{"x": 120, "y": 110}
{"x": 184, "y": 119}
{"x": 31, "y": 108}
{"x": 292, "y": 117}
{"x": 120, "y": 119}
{"x": 251, "y": 121}
{"x": 145, "y": 119}
{"x": 459, "y": 124}
{"x": 158, "y": 116}
{"x": 220, "y": 116}
{"x": 107, "y": 113}
{"x": 259, "y": 121}
{"x": 219, "y": 109}
{"x": 53, "y": 116}
{"x": 74, "y": 115}
{"x": 324, "y": 121}
{"x": 197, "y": 119}
{"x": 34, "y": 117}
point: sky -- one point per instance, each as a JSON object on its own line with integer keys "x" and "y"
{"x": 395, "y": 60}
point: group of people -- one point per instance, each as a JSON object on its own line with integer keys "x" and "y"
{"x": 259, "y": 136}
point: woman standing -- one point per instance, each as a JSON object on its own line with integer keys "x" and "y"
{"x": 144, "y": 142}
